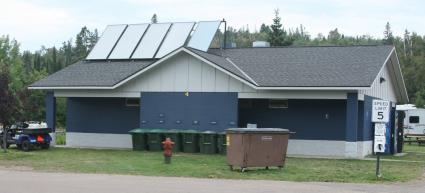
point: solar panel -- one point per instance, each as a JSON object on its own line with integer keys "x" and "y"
{"x": 106, "y": 42}
{"x": 176, "y": 38}
{"x": 151, "y": 40}
{"x": 203, "y": 35}
{"x": 128, "y": 41}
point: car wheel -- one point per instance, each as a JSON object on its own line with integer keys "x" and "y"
{"x": 26, "y": 145}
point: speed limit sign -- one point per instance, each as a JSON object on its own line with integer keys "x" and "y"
{"x": 380, "y": 111}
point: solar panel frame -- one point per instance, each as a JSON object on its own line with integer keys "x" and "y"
{"x": 129, "y": 41}
{"x": 204, "y": 33}
{"x": 107, "y": 42}
{"x": 176, "y": 37}
{"x": 151, "y": 41}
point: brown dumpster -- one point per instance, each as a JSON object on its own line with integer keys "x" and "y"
{"x": 256, "y": 147}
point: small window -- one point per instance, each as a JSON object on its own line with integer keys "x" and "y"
{"x": 134, "y": 102}
{"x": 414, "y": 119}
{"x": 278, "y": 104}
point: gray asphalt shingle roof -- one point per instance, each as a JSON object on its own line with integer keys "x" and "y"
{"x": 92, "y": 73}
{"x": 333, "y": 66}
{"x": 220, "y": 61}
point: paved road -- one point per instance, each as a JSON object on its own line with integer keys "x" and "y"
{"x": 42, "y": 182}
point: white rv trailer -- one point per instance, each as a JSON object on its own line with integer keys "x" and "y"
{"x": 414, "y": 123}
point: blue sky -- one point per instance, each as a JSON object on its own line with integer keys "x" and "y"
{"x": 49, "y": 22}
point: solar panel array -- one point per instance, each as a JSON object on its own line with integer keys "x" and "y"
{"x": 176, "y": 37}
{"x": 204, "y": 34}
{"x": 128, "y": 41}
{"x": 107, "y": 42}
{"x": 151, "y": 41}
{"x": 146, "y": 41}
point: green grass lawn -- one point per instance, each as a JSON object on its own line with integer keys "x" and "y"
{"x": 210, "y": 166}
{"x": 60, "y": 138}
{"x": 413, "y": 152}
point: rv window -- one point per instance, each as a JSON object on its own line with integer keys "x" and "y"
{"x": 414, "y": 119}
{"x": 132, "y": 102}
{"x": 278, "y": 104}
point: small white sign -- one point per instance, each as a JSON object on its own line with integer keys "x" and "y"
{"x": 380, "y": 129}
{"x": 379, "y": 144}
{"x": 380, "y": 111}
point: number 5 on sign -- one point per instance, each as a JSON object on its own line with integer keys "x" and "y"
{"x": 380, "y": 111}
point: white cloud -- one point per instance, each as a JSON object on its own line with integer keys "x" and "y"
{"x": 34, "y": 25}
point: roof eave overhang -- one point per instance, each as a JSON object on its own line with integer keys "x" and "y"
{"x": 400, "y": 79}
{"x": 342, "y": 88}
{"x": 70, "y": 87}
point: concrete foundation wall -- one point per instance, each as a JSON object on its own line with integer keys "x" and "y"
{"x": 319, "y": 148}
{"x": 98, "y": 140}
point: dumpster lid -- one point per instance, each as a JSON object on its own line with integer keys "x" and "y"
{"x": 257, "y": 130}
{"x": 172, "y": 131}
{"x": 155, "y": 130}
{"x": 138, "y": 130}
{"x": 209, "y": 132}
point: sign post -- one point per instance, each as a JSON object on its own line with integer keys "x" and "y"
{"x": 380, "y": 116}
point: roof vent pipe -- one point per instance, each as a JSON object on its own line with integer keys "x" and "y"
{"x": 260, "y": 44}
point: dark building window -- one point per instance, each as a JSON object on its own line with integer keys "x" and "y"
{"x": 132, "y": 102}
{"x": 278, "y": 104}
{"x": 414, "y": 119}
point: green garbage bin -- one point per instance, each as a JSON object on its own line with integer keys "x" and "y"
{"x": 208, "y": 142}
{"x": 221, "y": 143}
{"x": 190, "y": 141}
{"x": 176, "y": 137}
{"x": 139, "y": 139}
{"x": 155, "y": 139}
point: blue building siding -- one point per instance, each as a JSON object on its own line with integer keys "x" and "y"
{"x": 310, "y": 119}
{"x": 365, "y": 131}
{"x": 101, "y": 115}
{"x": 197, "y": 110}
{"x": 352, "y": 117}
{"x": 319, "y": 119}
{"x": 50, "y": 110}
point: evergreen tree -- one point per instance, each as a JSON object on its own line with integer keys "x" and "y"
{"x": 334, "y": 36}
{"x": 265, "y": 29}
{"x": 388, "y": 35}
{"x": 420, "y": 98}
{"x": 276, "y": 35}
{"x": 154, "y": 18}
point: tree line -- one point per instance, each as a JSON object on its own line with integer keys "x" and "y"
{"x": 18, "y": 69}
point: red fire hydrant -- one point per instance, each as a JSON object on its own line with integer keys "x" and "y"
{"x": 168, "y": 150}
